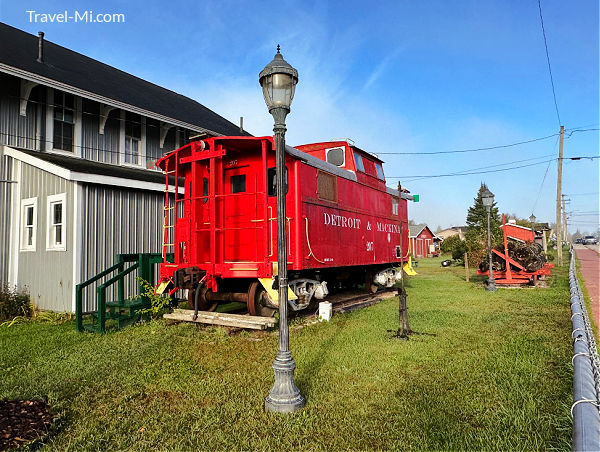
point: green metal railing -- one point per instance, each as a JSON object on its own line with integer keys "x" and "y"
{"x": 123, "y": 311}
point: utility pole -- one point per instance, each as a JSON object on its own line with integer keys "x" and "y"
{"x": 564, "y": 211}
{"x": 558, "y": 198}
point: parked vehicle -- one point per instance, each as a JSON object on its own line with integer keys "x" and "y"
{"x": 590, "y": 240}
{"x": 579, "y": 241}
{"x": 344, "y": 226}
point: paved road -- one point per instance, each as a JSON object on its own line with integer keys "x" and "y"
{"x": 590, "y": 270}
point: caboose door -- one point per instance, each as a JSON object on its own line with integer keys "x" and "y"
{"x": 239, "y": 210}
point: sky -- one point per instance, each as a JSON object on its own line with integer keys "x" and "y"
{"x": 402, "y": 79}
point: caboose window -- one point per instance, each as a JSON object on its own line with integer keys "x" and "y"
{"x": 335, "y": 156}
{"x": 379, "y": 171}
{"x": 272, "y": 181}
{"x": 359, "y": 162}
{"x": 327, "y": 186}
{"x": 205, "y": 190}
{"x": 238, "y": 183}
{"x": 394, "y": 206}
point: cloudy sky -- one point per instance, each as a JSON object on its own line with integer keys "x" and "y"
{"x": 402, "y": 79}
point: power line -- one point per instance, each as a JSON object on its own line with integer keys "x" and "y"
{"x": 579, "y": 157}
{"x": 467, "y": 172}
{"x": 572, "y": 131}
{"x": 583, "y": 194}
{"x": 474, "y": 170}
{"x": 543, "y": 180}
{"x": 117, "y": 118}
{"x": 148, "y": 125}
{"x": 471, "y": 150}
{"x": 490, "y": 166}
{"x": 548, "y": 60}
{"x": 595, "y": 124}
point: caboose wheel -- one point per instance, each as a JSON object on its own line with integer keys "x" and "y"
{"x": 203, "y": 303}
{"x": 258, "y": 301}
{"x": 370, "y": 286}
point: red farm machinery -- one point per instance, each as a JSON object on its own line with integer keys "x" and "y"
{"x": 521, "y": 261}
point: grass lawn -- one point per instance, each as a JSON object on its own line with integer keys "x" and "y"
{"x": 492, "y": 372}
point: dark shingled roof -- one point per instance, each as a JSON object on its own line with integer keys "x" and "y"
{"x": 20, "y": 49}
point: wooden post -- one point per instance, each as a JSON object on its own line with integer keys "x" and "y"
{"x": 564, "y": 216}
{"x": 544, "y": 242}
{"x": 403, "y": 325}
{"x": 467, "y": 267}
{"x": 558, "y": 198}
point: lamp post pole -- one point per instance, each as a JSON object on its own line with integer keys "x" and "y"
{"x": 278, "y": 81}
{"x": 532, "y": 220}
{"x": 487, "y": 197}
{"x": 491, "y": 285}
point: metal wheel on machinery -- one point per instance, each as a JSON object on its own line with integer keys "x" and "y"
{"x": 203, "y": 303}
{"x": 258, "y": 301}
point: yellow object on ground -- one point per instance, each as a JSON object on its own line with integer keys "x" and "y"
{"x": 408, "y": 266}
{"x": 267, "y": 283}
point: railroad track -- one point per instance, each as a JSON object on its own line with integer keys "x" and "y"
{"x": 345, "y": 301}
{"x": 351, "y": 300}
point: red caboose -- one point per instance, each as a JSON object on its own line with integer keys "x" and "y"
{"x": 344, "y": 226}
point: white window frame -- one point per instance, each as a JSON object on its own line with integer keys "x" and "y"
{"x": 395, "y": 203}
{"x": 141, "y": 142}
{"x": 50, "y": 201}
{"x": 77, "y": 125}
{"x": 25, "y": 203}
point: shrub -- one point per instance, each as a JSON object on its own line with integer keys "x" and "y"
{"x": 455, "y": 246}
{"x": 14, "y": 303}
{"x": 476, "y": 243}
{"x": 158, "y": 304}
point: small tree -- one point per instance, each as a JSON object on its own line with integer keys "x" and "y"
{"x": 476, "y": 235}
{"x": 455, "y": 246}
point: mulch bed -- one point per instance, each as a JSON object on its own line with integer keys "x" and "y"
{"x": 22, "y": 421}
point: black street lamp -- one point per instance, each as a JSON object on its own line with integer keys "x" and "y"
{"x": 487, "y": 197}
{"x": 532, "y": 221}
{"x": 278, "y": 81}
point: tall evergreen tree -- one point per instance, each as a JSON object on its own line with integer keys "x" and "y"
{"x": 477, "y": 216}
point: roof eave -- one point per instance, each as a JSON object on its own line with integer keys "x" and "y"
{"x": 11, "y": 70}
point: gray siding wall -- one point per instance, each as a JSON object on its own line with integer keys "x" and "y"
{"x": 47, "y": 274}
{"x": 16, "y": 130}
{"x": 96, "y": 146}
{"x": 153, "y": 150}
{"x": 5, "y": 215}
{"x": 117, "y": 221}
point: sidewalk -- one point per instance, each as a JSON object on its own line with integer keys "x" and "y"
{"x": 590, "y": 270}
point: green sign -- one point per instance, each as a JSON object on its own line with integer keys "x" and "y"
{"x": 416, "y": 198}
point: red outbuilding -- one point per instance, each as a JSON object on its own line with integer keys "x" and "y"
{"x": 422, "y": 240}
